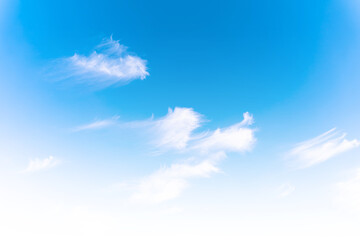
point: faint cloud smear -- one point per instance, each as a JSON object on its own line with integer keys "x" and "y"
{"x": 321, "y": 148}
{"x": 354, "y": 9}
{"x": 285, "y": 190}
{"x": 110, "y": 64}
{"x": 98, "y": 124}
{"x": 41, "y": 164}
{"x": 348, "y": 193}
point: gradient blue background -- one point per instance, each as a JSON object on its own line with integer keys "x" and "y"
{"x": 293, "y": 64}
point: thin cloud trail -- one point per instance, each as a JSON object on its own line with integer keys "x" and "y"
{"x": 321, "y": 149}
{"x": 110, "y": 64}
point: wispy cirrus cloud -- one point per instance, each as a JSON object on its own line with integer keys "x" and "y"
{"x": 41, "y": 164}
{"x": 98, "y": 124}
{"x": 174, "y": 132}
{"x": 176, "y": 128}
{"x": 110, "y": 64}
{"x": 236, "y": 138}
{"x": 321, "y": 148}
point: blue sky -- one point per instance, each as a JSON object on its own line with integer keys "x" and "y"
{"x": 231, "y": 119}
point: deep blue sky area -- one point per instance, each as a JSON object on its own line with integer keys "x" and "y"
{"x": 224, "y": 54}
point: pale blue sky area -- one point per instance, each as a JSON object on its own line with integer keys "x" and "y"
{"x": 220, "y": 112}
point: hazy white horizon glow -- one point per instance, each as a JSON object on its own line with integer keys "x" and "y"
{"x": 348, "y": 192}
{"x": 195, "y": 120}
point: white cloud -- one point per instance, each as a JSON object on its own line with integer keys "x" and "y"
{"x": 109, "y": 64}
{"x": 175, "y": 135}
{"x": 168, "y": 183}
{"x": 98, "y": 124}
{"x": 41, "y": 164}
{"x": 348, "y": 193}
{"x": 285, "y": 190}
{"x": 236, "y": 138}
{"x": 321, "y": 148}
{"x": 175, "y": 129}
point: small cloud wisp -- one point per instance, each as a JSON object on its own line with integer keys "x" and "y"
{"x": 321, "y": 148}
{"x": 110, "y": 64}
{"x": 99, "y": 124}
{"x": 41, "y": 164}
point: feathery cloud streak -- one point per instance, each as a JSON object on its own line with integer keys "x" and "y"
{"x": 110, "y": 64}
{"x": 98, "y": 124}
{"x": 321, "y": 148}
{"x": 236, "y": 138}
{"x": 175, "y": 129}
